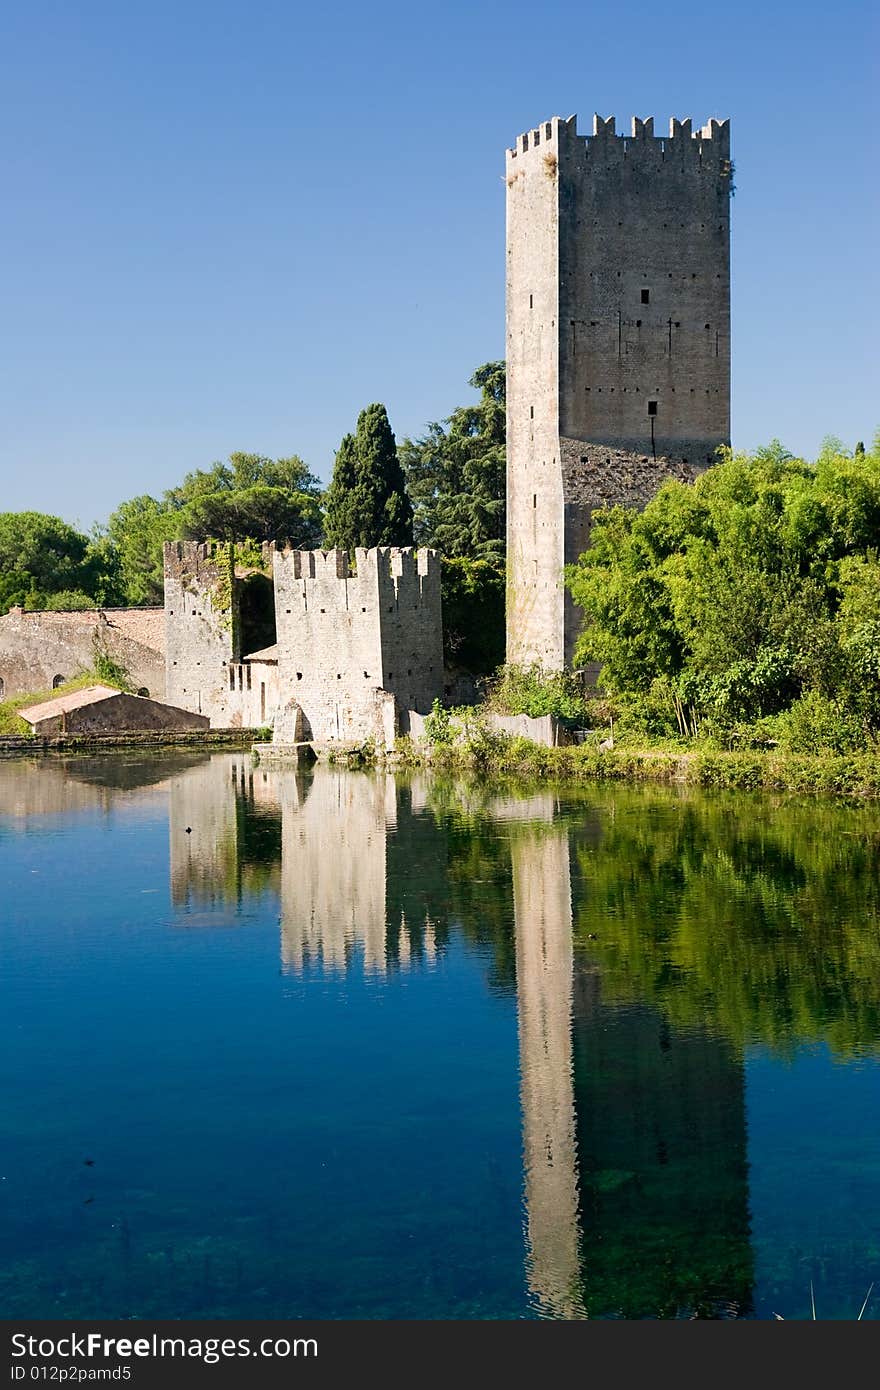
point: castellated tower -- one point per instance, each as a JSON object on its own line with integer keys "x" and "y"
{"x": 359, "y": 639}
{"x": 618, "y": 343}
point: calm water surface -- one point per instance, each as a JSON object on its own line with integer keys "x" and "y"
{"x": 345, "y": 1045}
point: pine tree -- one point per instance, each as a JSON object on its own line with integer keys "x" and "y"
{"x": 339, "y": 524}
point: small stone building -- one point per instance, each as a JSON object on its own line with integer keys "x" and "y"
{"x": 101, "y": 709}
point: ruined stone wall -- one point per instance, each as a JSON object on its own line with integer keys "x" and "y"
{"x": 199, "y": 629}
{"x": 255, "y": 696}
{"x": 347, "y": 632}
{"x": 36, "y": 648}
{"x": 622, "y": 355}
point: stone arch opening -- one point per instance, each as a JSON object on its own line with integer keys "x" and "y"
{"x": 58, "y": 680}
{"x": 256, "y": 610}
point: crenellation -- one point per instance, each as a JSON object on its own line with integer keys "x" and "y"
{"x": 353, "y": 635}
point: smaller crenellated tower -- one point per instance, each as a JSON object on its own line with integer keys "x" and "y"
{"x": 359, "y": 639}
{"x": 219, "y": 608}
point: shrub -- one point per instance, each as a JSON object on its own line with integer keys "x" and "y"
{"x": 535, "y": 692}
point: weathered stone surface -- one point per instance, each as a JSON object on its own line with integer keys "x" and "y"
{"x": 42, "y": 649}
{"x": 545, "y": 729}
{"x": 354, "y": 631}
{"x": 199, "y": 630}
{"x": 618, "y": 343}
{"x": 357, "y": 638}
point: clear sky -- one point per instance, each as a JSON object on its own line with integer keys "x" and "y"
{"x": 232, "y": 225}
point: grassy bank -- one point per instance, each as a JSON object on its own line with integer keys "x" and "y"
{"x": 851, "y": 775}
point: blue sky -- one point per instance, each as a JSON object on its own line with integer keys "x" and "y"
{"x": 231, "y": 226}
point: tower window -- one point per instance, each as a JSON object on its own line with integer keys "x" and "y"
{"x": 531, "y": 412}
{"x": 646, "y": 296}
{"x": 531, "y": 303}
{"x": 652, "y": 407}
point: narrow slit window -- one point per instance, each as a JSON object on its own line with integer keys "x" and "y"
{"x": 646, "y": 296}
{"x": 652, "y": 407}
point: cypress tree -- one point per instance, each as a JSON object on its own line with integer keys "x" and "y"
{"x": 367, "y": 502}
{"x": 339, "y": 519}
{"x": 382, "y": 508}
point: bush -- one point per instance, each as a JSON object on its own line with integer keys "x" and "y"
{"x": 439, "y": 729}
{"x": 816, "y": 724}
{"x": 535, "y": 692}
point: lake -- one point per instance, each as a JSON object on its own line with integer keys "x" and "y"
{"x": 344, "y": 1044}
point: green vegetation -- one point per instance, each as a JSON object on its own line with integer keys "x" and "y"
{"x": 529, "y": 690}
{"x": 366, "y": 503}
{"x": 744, "y": 916}
{"x": 468, "y": 745}
{"x": 473, "y": 613}
{"x": 744, "y": 610}
{"x": 456, "y": 474}
{"x": 250, "y": 498}
{"x": 44, "y": 563}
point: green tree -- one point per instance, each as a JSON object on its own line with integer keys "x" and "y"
{"x": 40, "y": 555}
{"x": 137, "y": 529}
{"x": 339, "y": 518}
{"x": 473, "y": 613}
{"x": 249, "y": 498}
{"x": 727, "y": 601}
{"x": 258, "y": 513}
{"x": 367, "y": 502}
{"x": 456, "y": 473}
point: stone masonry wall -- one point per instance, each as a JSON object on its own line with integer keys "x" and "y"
{"x": 410, "y": 626}
{"x": 38, "y": 647}
{"x": 534, "y": 485}
{"x": 618, "y": 332}
{"x": 199, "y": 629}
{"x": 347, "y": 632}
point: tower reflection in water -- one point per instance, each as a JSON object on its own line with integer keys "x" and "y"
{"x": 634, "y": 1135}
{"x": 634, "y": 1132}
{"x": 330, "y": 845}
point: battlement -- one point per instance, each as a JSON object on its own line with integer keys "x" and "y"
{"x": 192, "y": 553}
{"x": 380, "y": 562}
{"x": 710, "y": 145}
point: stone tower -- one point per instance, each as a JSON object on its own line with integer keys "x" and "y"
{"x": 618, "y": 343}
